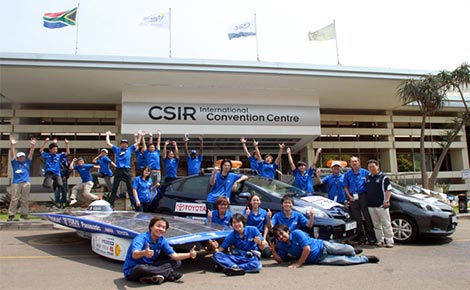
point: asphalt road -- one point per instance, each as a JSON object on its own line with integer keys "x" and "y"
{"x": 59, "y": 259}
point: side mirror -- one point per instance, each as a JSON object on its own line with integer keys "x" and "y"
{"x": 244, "y": 195}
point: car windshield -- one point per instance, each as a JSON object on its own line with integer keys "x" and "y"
{"x": 398, "y": 189}
{"x": 277, "y": 188}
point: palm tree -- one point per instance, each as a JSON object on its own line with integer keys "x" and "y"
{"x": 430, "y": 94}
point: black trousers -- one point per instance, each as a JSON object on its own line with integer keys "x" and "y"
{"x": 360, "y": 214}
{"x": 121, "y": 174}
{"x": 164, "y": 268}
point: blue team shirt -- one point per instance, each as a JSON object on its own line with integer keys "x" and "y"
{"x": 84, "y": 171}
{"x": 247, "y": 243}
{"x": 267, "y": 170}
{"x": 140, "y": 159}
{"x": 153, "y": 159}
{"x": 52, "y": 162}
{"x": 123, "y": 156}
{"x": 335, "y": 187}
{"x": 356, "y": 182}
{"x": 139, "y": 243}
{"x": 171, "y": 167}
{"x": 296, "y": 220}
{"x": 222, "y": 186}
{"x": 142, "y": 187}
{"x": 299, "y": 240}
{"x": 259, "y": 221}
{"x": 225, "y": 220}
{"x": 21, "y": 170}
{"x": 194, "y": 164}
{"x": 304, "y": 181}
{"x": 104, "y": 163}
{"x": 253, "y": 163}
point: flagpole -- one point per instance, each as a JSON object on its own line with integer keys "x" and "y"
{"x": 336, "y": 41}
{"x": 169, "y": 28}
{"x": 256, "y": 34}
{"x": 76, "y": 32}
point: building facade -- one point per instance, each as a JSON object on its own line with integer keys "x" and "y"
{"x": 347, "y": 111}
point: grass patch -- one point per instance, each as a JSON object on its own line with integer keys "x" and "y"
{"x": 4, "y": 217}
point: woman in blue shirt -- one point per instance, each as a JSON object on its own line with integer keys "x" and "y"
{"x": 268, "y": 166}
{"x": 142, "y": 189}
{"x": 170, "y": 159}
{"x": 259, "y": 218}
{"x": 221, "y": 215}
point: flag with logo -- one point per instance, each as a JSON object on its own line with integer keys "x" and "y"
{"x": 242, "y": 29}
{"x": 161, "y": 20}
{"x": 60, "y": 19}
{"x": 326, "y": 33}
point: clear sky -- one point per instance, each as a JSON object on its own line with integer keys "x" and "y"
{"x": 401, "y": 34}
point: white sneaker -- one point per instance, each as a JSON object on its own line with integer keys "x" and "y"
{"x": 72, "y": 202}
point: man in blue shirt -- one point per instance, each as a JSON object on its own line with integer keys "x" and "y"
{"x": 52, "y": 163}
{"x": 123, "y": 155}
{"x": 308, "y": 250}
{"x": 142, "y": 261}
{"x": 20, "y": 184}
{"x": 246, "y": 242}
{"x": 82, "y": 190}
{"x": 104, "y": 162}
{"x": 355, "y": 189}
{"x": 302, "y": 175}
{"x": 334, "y": 181}
{"x": 293, "y": 219}
{"x": 193, "y": 158}
{"x": 378, "y": 193}
{"x": 223, "y": 183}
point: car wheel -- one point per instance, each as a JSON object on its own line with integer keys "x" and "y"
{"x": 404, "y": 229}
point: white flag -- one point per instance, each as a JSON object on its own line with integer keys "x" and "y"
{"x": 161, "y": 20}
{"x": 326, "y": 33}
{"x": 242, "y": 29}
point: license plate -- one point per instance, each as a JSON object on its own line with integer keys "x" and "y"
{"x": 351, "y": 226}
{"x": 453, "y": 219}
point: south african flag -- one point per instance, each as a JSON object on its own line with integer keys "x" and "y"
{"x": 60, "y": 19}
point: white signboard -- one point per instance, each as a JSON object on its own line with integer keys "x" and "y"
{"x": 215, "y": 114}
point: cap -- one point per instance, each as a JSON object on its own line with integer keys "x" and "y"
{"x": 193, "y": 152}
{"x": 20, "y": 154}
{"x": 104, "y": 150}
{"x": 124, "y": 141}
{"x": 80, "y": 158}
{"x": 336, "y": 163}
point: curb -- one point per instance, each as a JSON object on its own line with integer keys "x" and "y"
{"x": 22, "y": 225}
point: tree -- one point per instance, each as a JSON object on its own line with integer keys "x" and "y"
{"x": 430, "y": 94}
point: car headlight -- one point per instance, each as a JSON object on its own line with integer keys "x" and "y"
{"x": 426, "y": 206}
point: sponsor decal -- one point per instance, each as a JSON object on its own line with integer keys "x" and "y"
{"x": 110, "y": 246}
{"x": 320, "y": 201}
{"x": 190, "y": 207}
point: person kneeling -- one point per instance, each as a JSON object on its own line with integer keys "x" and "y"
{"x": 247, "y": 241}
{"x": 142, "y": 264}
{"x": 313, "y": 251}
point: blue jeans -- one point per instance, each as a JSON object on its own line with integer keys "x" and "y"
{"x": 60, "y": 193}
{"x": 249, "y": 264}
{"x": 339, "y": 254}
